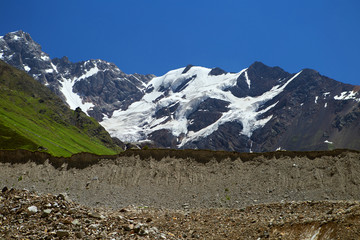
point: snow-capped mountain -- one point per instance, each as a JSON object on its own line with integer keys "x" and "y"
{"x": 96, "y": 86}
{"x": 260, "y": 108}
{"x": 257, "y": 109}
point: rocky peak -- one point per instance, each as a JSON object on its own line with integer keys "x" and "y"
{"x": 217, "y": 71}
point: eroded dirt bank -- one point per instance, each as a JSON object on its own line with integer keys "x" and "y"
{"x": 175, "y": 183}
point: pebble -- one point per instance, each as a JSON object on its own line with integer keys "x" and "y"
{"x": 79, "y": 234}
{"x": 94, "y": 226}
{"x": 96, "y": 215}
{"x": 47, "y": 212}
{"x": 32, "y": 209}
{"x": 75, "y": 222}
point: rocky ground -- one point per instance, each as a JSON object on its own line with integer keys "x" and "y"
{"x": 28, "y": 215}
{"x": 175, "y": 198}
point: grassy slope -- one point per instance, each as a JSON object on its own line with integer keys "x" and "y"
{"x": 31, "y": 116}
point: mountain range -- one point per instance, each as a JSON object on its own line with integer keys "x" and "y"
{"x": 259, "y": 108}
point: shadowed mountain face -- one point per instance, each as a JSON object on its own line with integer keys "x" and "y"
{"x": 260, "y": 108}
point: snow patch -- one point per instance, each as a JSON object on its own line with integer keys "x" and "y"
{"x": 326, "y": 94}
{"x": 73, "y": 99}
{"x": 45, "y": 58}
{"x": 1, "y": 55}
{"x": 27, "y": 68}
{"x": 89, "y": 73}
{"x": 325, "y": 106}
{"x": 348, "y": 95}
{"x": 326, "y": 141}
{"x": 16, "y": 37}
{"x": 316, "y": 98}
{"x": 54, "y": 67}
{"x": 247, "y": 79}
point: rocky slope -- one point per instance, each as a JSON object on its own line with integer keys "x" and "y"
{"x": 258, "y": 109}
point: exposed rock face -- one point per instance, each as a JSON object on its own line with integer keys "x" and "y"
{"x": 260, "y": 108}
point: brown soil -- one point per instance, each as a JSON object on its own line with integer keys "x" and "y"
{"x": 288, "y": 197}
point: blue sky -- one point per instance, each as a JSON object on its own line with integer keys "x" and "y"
{"x": 155, "y": 36}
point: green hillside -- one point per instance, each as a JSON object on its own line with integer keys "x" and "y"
{"x": 33, "y": 118}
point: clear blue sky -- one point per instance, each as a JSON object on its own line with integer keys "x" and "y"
{"x": 155, "y": 36}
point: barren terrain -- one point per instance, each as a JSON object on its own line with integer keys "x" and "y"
{"x": 292, "y": 197}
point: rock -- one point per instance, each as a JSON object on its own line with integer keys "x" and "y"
{"x": 75, "y": 222}
{"x": 137, "y": 227}
{"x": 94, "y": 226}
{"x": 129, "y": 227}
{"x": 96, "y": 215}
{"x": 62, "y": 233}
{"x": 79, "y": 234}
{"x": 32, "y": 210}
{"x": 123, "y": 210}
{"x": 46, "y": 212}
{"x": 143, "y": 232}
{"x": 72, "y": 210}
{"x": 64, "y": 196}
{"x": 4, "y": 189}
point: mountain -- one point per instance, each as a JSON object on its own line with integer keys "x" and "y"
{"x": 257, "y": 109}
{"x": 260, "y": 108}
{"x": 96, "y": 86}
{"x": 34, "y": 118}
